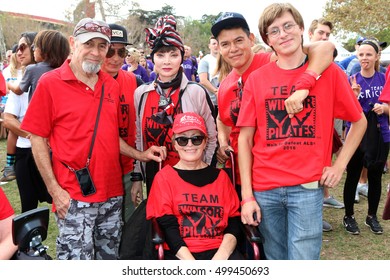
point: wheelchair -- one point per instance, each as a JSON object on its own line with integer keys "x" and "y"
{"x": 29, "y": 230}
{"x": 252, "y": 233}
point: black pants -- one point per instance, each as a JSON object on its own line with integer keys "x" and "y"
{"x": 205, "y": 255}
{"x": 374, "y": 174}
{"x": 31, "y": 187}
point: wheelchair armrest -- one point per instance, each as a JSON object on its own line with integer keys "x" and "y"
{"x": 253, "y": 234}
{"x": 157, "y": 234}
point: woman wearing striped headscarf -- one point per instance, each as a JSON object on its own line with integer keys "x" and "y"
{"x": 157, "y": 103}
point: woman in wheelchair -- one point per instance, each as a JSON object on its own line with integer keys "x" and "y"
{"x": 196, "y": 205}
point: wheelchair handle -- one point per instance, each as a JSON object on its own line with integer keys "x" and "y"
{"x": 230, "y": 154}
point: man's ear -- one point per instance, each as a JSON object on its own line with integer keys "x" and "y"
{"x": 252, "y": 38}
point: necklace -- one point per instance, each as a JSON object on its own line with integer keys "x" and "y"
{"x": 371, "y": 79}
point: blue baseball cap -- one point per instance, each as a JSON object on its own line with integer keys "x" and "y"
{"x": 360, "y": 39}
{"x": 227, "y": 20}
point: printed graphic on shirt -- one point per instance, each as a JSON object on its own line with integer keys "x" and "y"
{"x": 280, "y": 126}
{"x": 371, "y": 92}
{"x": 155, "y": 133}
{"x": 202, "y": 221}
{"x": 235, "y": 105}
{"x": 124, "y": 119}
{"x": 109, "y": 99}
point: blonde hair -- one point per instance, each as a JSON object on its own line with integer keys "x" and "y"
{"x": 136, "y": 54}
{"x": 13, "y": 66}
{"x": 222, "y": 68}
{"x": 258, "y": 47}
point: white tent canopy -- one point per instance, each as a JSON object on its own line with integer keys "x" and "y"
{"x": 342, "y": 52}
{"x": 385, "y": 56}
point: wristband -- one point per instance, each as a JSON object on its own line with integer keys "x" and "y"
{"x": 247, "y": 200}
{"x": 136, "y": 176}
{"x": 313, "y": 74}
{"x": 307, "y": 80}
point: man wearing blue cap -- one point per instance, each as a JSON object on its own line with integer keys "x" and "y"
{"x": 235, "y": 42}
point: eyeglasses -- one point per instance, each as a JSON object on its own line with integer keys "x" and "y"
{"x": 93, "y": 27}
{"x": 33, "y": 47}
{"x": 22, "y": 47}
{"x": 196, "y": 140}
{"x": 287, "y": 28}
{"x": 121, "y": 52}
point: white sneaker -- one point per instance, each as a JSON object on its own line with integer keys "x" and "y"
{"x": 362, "y": 189}
{"x": 357, "y": 198}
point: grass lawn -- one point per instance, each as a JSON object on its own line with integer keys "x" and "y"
{"x": 337, "y": 244}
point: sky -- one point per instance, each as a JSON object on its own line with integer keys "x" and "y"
{"x": 250, "y": 9}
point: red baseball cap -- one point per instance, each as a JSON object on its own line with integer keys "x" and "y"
{"x": 188, "y": 121}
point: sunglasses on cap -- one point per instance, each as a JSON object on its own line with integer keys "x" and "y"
{"x": 22, "y": 47}
{"x": 93, "y": 27}
{"x": 196, "y": 140}
{"x": 121, "y": 52}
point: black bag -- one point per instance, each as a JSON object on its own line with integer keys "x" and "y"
{"x": 136, "y": 241}
{"x": 372, "y": 143}
{"x": 133, "y": 234}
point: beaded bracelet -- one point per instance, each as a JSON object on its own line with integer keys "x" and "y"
{"x": 247, "y": 200}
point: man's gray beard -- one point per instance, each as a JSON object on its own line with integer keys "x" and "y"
{"x": 91, "y": 68}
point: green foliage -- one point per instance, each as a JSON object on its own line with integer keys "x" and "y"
{"x": 361, "y": 17}
{"x": 150, "y": 17}
{"x": 196, "y": 33}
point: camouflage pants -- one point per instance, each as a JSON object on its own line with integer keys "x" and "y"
{"x": 90, "y": 230}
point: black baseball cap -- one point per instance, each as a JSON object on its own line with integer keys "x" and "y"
{"x": 119, "y": 34}
{"x": 383, "y": 44}
{"x": 227, "y": 20}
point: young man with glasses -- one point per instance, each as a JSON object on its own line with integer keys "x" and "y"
{"x": 286, "y": 161}
{"x": 235, "y": 43}
{"x": 63, "y": 114}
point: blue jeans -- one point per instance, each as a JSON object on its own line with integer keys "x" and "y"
{"x": 291, "y": 222}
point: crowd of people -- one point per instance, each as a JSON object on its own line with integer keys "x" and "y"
{"x": 95, "y": 127}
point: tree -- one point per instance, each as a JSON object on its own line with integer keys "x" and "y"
{"x": 361, "y": 17}
{"x": 196, "y": 33}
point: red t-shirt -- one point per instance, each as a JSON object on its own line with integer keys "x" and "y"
{"x": 6, "y": 209}
{"x": 286, "y": 151}
{"x": 229, "y": 101}
{"x": 385, "y": 94}
{"x": 127, "y": 84}
{"x": 160, "y": 134}
{"x": 63, "y": 109}
{"x": 3, "y": 89}
{"x": 202, "y": 212}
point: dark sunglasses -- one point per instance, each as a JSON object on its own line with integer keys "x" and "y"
{"x": 121, "y": 52}
{"x": 22, "y": 47}
{"x": 196, "y": 140}
{"x": 93, "y": 27}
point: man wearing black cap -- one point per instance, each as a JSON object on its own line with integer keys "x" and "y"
{"x": 127, "y": 83}
{"x": 83, "y": 172}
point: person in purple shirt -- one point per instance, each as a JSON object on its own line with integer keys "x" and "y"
{"x": 132, "y": 64}
{"x": 374, "y": 148}
{"x": 190, "y": 66}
